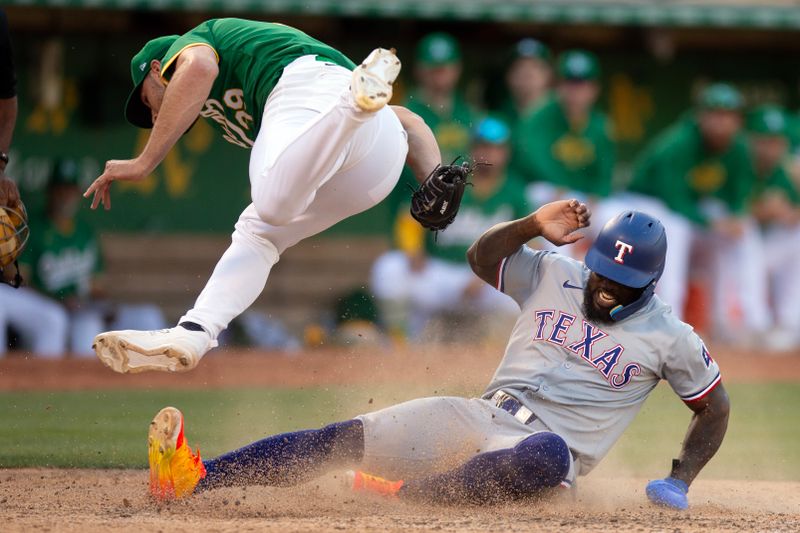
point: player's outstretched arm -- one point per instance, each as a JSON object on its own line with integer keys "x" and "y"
{"x": 557, "y": 222}
{"x": 423, "y": 150}
{"x": 703, "y": 439}
{"x": 195, "y": 71}
{"x": 705, "y": 434}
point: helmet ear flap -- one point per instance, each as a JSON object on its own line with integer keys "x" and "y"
{"x": 622, "y": 312}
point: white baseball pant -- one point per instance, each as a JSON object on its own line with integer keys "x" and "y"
{"x": 436, "y": 434}
{"x": 317, "y": 160}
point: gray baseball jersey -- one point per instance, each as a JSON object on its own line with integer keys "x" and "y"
{"x": 587, "y": 382}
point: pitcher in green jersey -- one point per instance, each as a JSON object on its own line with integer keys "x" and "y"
{"x": 324, "y": 146}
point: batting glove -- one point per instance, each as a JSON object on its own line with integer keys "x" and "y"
{"x": 669, "y": 492}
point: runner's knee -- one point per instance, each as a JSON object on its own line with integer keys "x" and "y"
{"x": 542, "y": 459}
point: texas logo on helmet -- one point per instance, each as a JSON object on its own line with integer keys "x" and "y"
{"x": 623, "y": 248}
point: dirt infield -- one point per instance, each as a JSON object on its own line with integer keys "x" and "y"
{"x": 99, "y": 500}
{"x": 86, "y": 500}
{"x": 456, "y": 367}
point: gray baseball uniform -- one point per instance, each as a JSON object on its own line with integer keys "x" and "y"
{"x": 583, "y": 382}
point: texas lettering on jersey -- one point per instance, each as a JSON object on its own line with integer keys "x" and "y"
{"x": 553, "y": 326}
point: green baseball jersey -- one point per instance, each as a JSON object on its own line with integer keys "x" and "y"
{"x": 475, "y": 216}
{"x": 251, "y": 57}
{"x": 778, "y": 181}
{"x": 509, "y": 113}
{"x": 678, "y": 169}
{"x": 62, "y": 262}
{"x": 579, "y": 157}
{"x": 452, "y": 128}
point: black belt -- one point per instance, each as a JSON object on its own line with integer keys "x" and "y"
{"x": 506, "y": 402}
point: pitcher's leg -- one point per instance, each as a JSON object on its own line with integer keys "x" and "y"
{"x": 310, "y": 120}
{"x": 241, "y": 274}
{"x": 239, "y": 277}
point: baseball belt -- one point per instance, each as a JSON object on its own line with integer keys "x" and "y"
{"x": 507, "y": 402}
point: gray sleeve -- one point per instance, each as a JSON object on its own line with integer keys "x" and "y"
{"x": 520, "y": 272}
{"x": 689, "y": 368}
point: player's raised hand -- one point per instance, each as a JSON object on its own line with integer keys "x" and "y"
{"x": 560, "y": 221}
{"x": 115, "y": 170}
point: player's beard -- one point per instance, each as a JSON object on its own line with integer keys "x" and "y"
{"x": 593, "y": 313}
{"x": 621, "y": 294}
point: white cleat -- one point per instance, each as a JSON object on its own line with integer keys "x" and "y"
{"x": 373, "y": 78}
{"x": 168, "y": 350}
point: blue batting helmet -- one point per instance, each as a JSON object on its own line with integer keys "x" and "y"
{"x": 630, "y": 249}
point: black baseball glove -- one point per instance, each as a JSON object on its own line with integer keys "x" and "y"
{"x": 436, "y": 202}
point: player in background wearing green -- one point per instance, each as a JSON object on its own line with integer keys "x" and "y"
{"x": 528, "y": 78}
{"x": 437, "y": 99}
{"x": 428, "y": 274}
{"x": 64, "y": 307}
{"x": 696, "y": 176}
{"x": 564, "y": 148}
{"x": 324, "y": 146}
{"x": 776, "y": 207}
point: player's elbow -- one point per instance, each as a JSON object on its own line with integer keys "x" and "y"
{"x": 206, "y": 69}
{"x": 718, "y": 406}
{"x": 472, "y": 257}
{"x": 723, "y": 405}
{"x": 200, "y": 62}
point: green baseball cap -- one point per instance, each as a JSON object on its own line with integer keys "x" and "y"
{"x": 136, "y": 112}
{"x": 438, "y": 49}
{"x": 578, "y": 65}
{"x": 767, "y": 120}
{"x": 530, "y": 48}
{"x": 721, "y": 96}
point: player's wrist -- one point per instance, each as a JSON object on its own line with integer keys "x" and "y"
{"x": 530, "y": 227}
{"x": 145, "y": 164}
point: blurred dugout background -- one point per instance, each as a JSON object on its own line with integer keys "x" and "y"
{"x": 164, "y": 234}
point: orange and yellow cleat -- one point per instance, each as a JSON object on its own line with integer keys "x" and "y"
{"x": 362, "y": 482}
{"x": 175, "y": 470}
